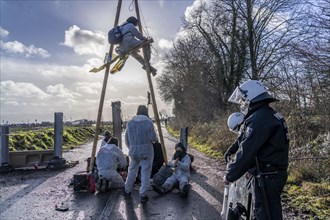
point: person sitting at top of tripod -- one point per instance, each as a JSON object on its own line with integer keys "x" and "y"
{"x": 133, "y": 38}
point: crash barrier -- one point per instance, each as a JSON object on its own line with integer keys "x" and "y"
{"x": 33, "y": 158}
{"x": 30, "y": 158}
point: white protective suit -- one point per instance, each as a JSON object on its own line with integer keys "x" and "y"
{"x": 108, "y": 159}
{"x": 181, "y": 174}
{"x": 139, "y": 136}
{"x": 132, "y": 37}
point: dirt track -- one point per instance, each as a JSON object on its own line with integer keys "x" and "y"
{"x": 33, "y": 194}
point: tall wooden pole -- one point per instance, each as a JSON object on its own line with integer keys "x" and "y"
{"x": 154, "y": 105}
{"x": 105, "y": 81}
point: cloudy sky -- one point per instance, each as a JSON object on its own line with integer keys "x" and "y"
{"x": 48, "y": 47}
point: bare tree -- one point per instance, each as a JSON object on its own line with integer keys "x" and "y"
{"x": 270, "y": 30}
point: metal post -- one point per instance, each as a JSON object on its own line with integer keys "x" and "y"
{"x": 58, "y": 134}
{"x": 4, "y": 145}
{"x": 154, "y": 105}
{"x": 105, "y": 80}
{"x": 57, "y": 162}
{"x": 116, "y": 121}
{"x": 184, "y": 137}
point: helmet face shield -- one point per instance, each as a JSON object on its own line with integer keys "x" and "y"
{"x": 236, "y": 96}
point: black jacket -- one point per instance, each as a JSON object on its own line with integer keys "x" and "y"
{"x": 264, "y": 136}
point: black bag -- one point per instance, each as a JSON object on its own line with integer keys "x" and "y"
{"x": 80, "y": 182}
{"x": 158, "y": 158}
{"x": 237, "y": 212}
{"x": 164, "y": 172}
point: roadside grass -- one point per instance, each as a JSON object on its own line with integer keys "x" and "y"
{"x": 312, "y": 199}
{"x": 307, "y": 189}
{"x": 42, "y": 139}
{"x": 211, "y": 139}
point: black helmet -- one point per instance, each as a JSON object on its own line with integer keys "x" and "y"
{"x": 180, "y": 144}
{"x": 142, "y": 110}
{"x": 133, "y": 20}
{"x": 107, "y": 133}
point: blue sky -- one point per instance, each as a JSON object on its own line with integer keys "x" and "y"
{"x": 48, "y": 48}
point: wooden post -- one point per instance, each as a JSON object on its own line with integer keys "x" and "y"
{"x": 105, "y": 80}
{"x": 154, "y": 105}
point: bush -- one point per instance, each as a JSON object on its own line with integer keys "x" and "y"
{"x": 212, "y": 138}
{"x": 310, "y": 198}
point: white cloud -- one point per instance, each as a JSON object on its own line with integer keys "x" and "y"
{"x": 21, "y": 89}
{"x": 15, "y": 47}
{"x": 165, "y": 44}
{"x": 134, "y": 98}
{"x": 3, "y": 32}
{"x": 161, "y": 3}
{"x": 14, "y": 103}
{"x": 89, "y": 88}
{"x": 92, "y": 101}
{"x": 60, "y": 91}
{"x": 190, "y": 10}
{"x": 85, "y": 42}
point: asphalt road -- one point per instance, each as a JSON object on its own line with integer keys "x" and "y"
{"x": 33, "y": 194}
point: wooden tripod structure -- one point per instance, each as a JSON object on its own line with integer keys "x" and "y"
{"x": 105, "y": 80}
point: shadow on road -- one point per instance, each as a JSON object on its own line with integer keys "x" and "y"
{"x": 201, "y": 180}
{"x": 203, "y": 209}
{"x": 30, "y": 179}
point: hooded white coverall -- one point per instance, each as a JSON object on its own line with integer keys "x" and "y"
{"x": 139, "y": 136}
{"x": 132, "y": 37}
{"x": 108, "y": 159}
{"x": 181, "y": 174}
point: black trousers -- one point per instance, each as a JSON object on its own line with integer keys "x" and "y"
{"x": 273, "y": 187}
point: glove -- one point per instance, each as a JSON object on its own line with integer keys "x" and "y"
{"x": 227, "y": 156}
{"x": 225, "y": 181}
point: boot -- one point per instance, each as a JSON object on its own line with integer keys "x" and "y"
{"x": 144, "y": 198}
{"x": 184, "y": 191}
{"x": 158, "y": 189}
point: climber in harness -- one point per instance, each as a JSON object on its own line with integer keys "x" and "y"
{"x": 131, "y": 41}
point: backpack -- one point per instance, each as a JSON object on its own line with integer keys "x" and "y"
{"x": 164, "y": 172}
{"x": 115, "y": 36}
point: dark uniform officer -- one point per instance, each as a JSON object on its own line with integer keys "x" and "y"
{"x": 265, "y": 137}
